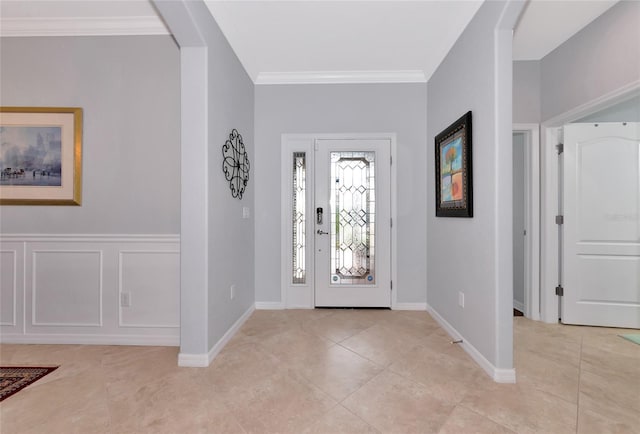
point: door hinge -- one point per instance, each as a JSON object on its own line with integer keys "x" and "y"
{"x": 391, "y": 284}
{"x": 559, "y": 219}
{"x": 391, "y": 222}
{"x": 560, "y": 148}
{"x": 559, "y": 290}
{"x": 390, "y": 159}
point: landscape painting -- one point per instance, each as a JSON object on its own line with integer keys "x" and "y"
{"x": 454, "y": 191}
{"x": 40, "y": 155}
{"x": 30, "y": 156}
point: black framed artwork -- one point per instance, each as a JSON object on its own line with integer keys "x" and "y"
{"x": 454, "y": 182}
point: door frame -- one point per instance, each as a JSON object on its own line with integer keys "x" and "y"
{"x": 532, "y": 218}
{"x": 551, "y": 135}
{"x": 301, "y": 296}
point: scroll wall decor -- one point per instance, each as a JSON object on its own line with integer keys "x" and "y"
{"x": 235, "y": 164}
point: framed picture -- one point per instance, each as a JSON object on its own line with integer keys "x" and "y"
{"x": 454, "y": 182}
{"x": 40, "y": 155}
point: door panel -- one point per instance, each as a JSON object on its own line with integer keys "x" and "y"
{"x": 352, "y": 223}
{"x": 601, "y": 194}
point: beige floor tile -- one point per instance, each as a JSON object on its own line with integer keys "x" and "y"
{"x": 338, "y": 371}
{"x": 593, "y": 423}
{"x": 393, "y": 404}
{"x": 174, "y": 403}
{"x": 446, "y": 377}
{"x": 339, "y": 325}
{"x": 380, "y": 344}
{"x": 522, "y": 409}
{"x": 553, "y": 346}
{"x": 611, "y": 396}
{"x": 340, "y": 420}
{"x": 283, "y": 372}
{"x": 282, "y": 403}
{"x": 295, "y": 345}
{"x": 463, "y": 420}
{"x": 547, "y": 375}
{"x": 622, "y": 363}
{"x": 72, "y": 399}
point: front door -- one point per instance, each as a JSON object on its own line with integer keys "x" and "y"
{"x": 601, "y": 259}
{"x": 352, "y": 223}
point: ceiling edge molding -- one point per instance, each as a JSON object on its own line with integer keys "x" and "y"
{"x": 340, "y": 77}
{"x": 82, "y": 26}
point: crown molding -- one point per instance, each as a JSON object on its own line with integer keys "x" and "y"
{"x": 82, "y": 26}
{"x": 335, "y": 77}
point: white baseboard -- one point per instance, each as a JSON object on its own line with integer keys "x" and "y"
{"x": 269, "y": 305}
{"x": 410, "y": 306}
{"x": 518, "y": 305}
{"x": 71, "y": 339}
{"x": 498, "y": 375}
{"x": 204, "y": 360}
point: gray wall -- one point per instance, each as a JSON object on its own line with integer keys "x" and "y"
{"x": 518, "y": 217}
{"x": 470, "y": 255}
{"x": 361, "y": 108}
{"x": 231, "y": 238}
{"x": 526, "y": 92}
{"x": 602, "y": 57}
{"x": 131, "y": 137}
{"x": 627, "y": 111}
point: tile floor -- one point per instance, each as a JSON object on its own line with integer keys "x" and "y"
{"x": 334, "y": 371}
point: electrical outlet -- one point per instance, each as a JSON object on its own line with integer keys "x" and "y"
{"x": 232, "y": 293}
{"x": 245, "y": 212}
{"x": 461, "y": 299}
{"x": 125, "y": 299}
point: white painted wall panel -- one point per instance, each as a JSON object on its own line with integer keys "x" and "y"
{"x": 70, "y": 285}
{"x": 152, "y": 281}
{"x": 8, "y": 284}
{"x": 67, "y": 288}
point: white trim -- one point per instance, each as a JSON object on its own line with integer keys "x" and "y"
{"x": 90, "y": 238}
{"x": 518, "y": 305}
{"x": 204, "y": 360}
{"x": 336, "y": 77}
{"x": 94, "y": 339}
{"x": 549, "y": 250}
{"x": 269, "y": 305}
{"x": 498, "y": 375}
{"x": 531, "y": 306}
{"x": 82, "y": 26}
{"x": 410, "y": 306}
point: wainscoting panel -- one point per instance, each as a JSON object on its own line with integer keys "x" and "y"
{"x": 68, "y": 289}
{"x": 8, "y": 287}
{"x": 150, "y": 283}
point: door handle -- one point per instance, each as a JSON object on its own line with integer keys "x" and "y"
{"x": 321, "y": 232}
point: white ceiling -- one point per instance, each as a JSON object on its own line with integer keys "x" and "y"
{"x": 545, "y": 24}
{"x": 294, "y": 40}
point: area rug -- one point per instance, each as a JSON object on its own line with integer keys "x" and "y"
{"x": 15, "y": 378}
{"x": 635, "y": 338}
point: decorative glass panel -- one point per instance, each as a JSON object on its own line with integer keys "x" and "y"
{"x": 353, "y": 206}
{"x": 299, "y": 217}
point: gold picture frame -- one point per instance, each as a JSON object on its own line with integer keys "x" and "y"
{"x": 40, "y": 156}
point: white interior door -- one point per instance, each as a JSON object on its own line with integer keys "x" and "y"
{"x": 601, "y": 259}
{"x": 352, "y": 223}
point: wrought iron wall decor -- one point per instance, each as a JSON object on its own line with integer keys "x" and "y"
{"x": 235, "y": 164}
